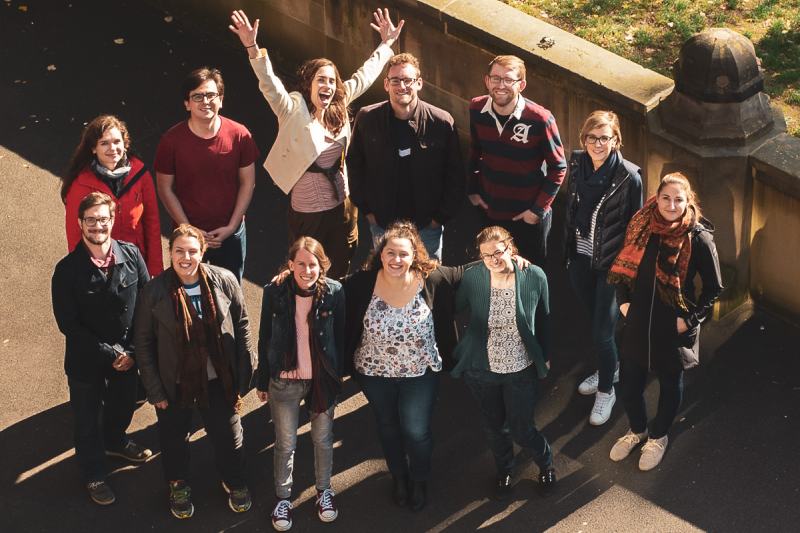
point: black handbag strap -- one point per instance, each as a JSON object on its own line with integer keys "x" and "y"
{"x": 132, "y": 182}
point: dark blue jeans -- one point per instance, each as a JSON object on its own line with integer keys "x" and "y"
{"x": 103, "y": 411}
{"x": 223, "y": 426}
{"x": 403, "y": 408}
{"x": 231, "y": 254}
{"x": 633, "y": 378}
{"x": 507, "y": 402}
{"x": 599, "y": 298}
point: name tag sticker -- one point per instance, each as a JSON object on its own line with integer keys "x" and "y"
{"x": 404, "y": 152}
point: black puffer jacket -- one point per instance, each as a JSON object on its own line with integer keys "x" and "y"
{"x": 623, "y": 199}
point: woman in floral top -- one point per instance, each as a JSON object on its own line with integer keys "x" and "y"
{"x": 400, "y": 333}
{"x": 504, "y": 353}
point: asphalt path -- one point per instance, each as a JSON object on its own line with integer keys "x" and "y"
{"x": 732, "y": 463}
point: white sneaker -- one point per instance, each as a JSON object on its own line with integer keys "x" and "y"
{"x": 589, "y": 385}
{"x": 652, "y": 453}
{"x": 625, "y": 445}
{"x": 601, "y": 412}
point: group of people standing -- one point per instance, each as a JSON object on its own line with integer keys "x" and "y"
{"x": 391, "y": 324}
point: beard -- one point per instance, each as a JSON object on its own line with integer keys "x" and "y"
{"x": 98, "y": 237}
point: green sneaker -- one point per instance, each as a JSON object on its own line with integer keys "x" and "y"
{"x": 238, "y": 499}
{"x": 180, "y": 499}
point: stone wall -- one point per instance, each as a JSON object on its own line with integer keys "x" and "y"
{"x": 750, "y": 192}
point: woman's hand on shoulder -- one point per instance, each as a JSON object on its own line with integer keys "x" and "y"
{"x": 280, "y": 277}
{"x": 623, "y": 309}
{"x": 521, "y": 262}
{"x": 240, "y": 25}
{"x": 383, "y": 24}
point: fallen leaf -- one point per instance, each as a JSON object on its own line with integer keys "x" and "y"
{"x": 23, "y": 8}
{"x": 5, "y": 341}
{"x": 26, "y": 165}
{"x": 51, "y": 68}
{"x": 168, "y": 18}
{"x": 119, "y": 40}
{"x": 670, "y": 24}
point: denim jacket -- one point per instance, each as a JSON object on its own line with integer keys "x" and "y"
{"x": 277, "y": 323}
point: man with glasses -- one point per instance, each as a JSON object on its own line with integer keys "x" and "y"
{"x": 205, "y": 169}
{"x": 512, "y": 140}
{"x": 404, "y": 159}
{"x": 94, "y": 292}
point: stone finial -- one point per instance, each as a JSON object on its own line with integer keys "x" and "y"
{"x": 718, "y": 65}
{"x": 718, "y": 97}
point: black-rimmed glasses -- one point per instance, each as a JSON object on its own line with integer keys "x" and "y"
{"x": 497, "y": 256}
{"x": 202, "y": 97}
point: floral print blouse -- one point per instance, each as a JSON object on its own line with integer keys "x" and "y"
{"x": 397, "y": 342}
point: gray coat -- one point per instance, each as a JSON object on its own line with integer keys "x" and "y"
{"x": 156, "y": 333}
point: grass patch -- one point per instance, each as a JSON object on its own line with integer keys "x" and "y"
{"x": 651, "y": 33}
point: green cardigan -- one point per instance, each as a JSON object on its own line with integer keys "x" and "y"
{"x": 533, "y": 311}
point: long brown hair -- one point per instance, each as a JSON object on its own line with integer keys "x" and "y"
{"x": 680, "y": 179}
{"x": 314, "y": 247}
{"x": 335, "y": 116}
{"x": 403, "y": 229}
{"x": 83, "y": 154}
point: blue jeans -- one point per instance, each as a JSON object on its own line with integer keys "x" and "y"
{"x": 231, "y": 254}
{"x": 507, "y": 403}
{"x": 103, "y": 411}
{"x": 223, "y": 426}
{"x": 633, "y": 378}
{"x": 599, "y": 298}
{"x": 285, "y": 396}
{"x": 403, "y": 408}
{"x": 432, "y": 238}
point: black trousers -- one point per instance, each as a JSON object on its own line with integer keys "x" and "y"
{"x": 103, "y": 411}
{"x": 224, "y": 428}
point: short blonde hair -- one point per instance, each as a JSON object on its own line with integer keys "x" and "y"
{"x": 508, "y": 61}
{"x": 599, "y": 119}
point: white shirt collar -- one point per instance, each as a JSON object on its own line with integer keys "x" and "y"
{"x": 517, "y": 113}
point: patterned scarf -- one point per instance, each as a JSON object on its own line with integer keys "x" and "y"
{"x": 674, "y": 251}
{"x": 199, "y": 340}
{"x": 112, "y": 178}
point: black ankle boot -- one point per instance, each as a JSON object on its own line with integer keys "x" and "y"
{"x": 419, "y": 495}
{"x": 400, "y": 490}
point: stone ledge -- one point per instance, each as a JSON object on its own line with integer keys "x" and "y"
{"x": 572, "y": 58}
{"x": 777, "y": 163}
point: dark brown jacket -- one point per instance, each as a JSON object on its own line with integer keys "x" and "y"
{"x": 156, "y": 333}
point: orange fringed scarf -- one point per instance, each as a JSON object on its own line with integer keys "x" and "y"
{"x": 674, "y": 251}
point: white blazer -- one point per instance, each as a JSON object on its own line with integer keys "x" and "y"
{"x": 300, "y": 139}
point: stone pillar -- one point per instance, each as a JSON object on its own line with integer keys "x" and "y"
{"x": 716, "y": 117}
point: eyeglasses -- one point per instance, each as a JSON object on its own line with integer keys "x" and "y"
{"x": 602, "y": 140}
{"x": 497, "y": 256}
{"x": 202, "y": 97}
{"x": 93, "y": 221}
{"x": 397, "y": 82}
{"x": 497, "y": 80}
